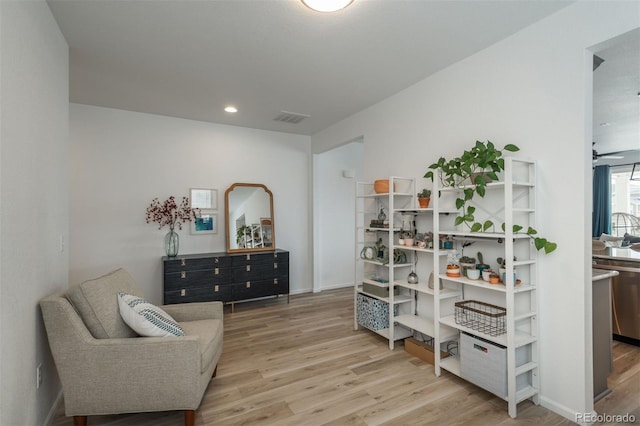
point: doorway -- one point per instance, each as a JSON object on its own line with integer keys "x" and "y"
{"x": 616, "y": 136}
{"x": 335, "y": 173}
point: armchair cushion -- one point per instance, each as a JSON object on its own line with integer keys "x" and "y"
{"x": 209, "y": 334}
{"x": 97, "y": 305}
{"x": 145, "y": 318}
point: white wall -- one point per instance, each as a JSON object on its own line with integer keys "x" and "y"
{"x": 532, "y": 89}
{"x": 121, "y": 160}
{"x": 334, "y": 215}
{"x": 33, "y": 202}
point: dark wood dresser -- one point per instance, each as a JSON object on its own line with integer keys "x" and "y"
{"x": 227, "y": 277}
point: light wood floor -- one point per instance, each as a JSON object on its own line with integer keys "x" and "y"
{"x": 303, "y": 364}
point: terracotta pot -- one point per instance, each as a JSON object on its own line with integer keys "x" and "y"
{"x": 381, "y": 186}
{"x": 453, "y": 271}
{"x": 424, "y": 202}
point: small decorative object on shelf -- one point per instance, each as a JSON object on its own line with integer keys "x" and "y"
{"x": 467, "y": 263}
{"x": 473, "y": 274}
{"x": 431, "y": 284}
{"x": 447, "y": 243}
{"x": 381, "y": 186}
{"x": 169, "y": 213}
{"x": 481, "y": 266}
{"x": 424, "y": 197}
{"x": 453, "y": 271}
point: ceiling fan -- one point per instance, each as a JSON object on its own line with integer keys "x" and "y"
{"x": 606, "y": 156}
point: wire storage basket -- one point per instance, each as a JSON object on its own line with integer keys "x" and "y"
{"x": 481, "y": 316}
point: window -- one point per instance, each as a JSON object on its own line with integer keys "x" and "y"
{"x": 625, "y": 203}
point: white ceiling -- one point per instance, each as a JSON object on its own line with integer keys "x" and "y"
{"x": 189, "y": 59}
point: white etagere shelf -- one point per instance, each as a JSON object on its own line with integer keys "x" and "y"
{"x": 519, "y": 199}
{"x": 422, "y": 287}
{"x": 368, "y": 205}
{"x": 479, "y": 283}
{"x": 520, "y": 338}
{"x": 516, "y": 204}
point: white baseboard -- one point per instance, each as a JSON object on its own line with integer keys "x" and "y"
{"x": 336, "y": 286}
{"x": 565, "y": 412}
{"x": 54, "y": 409}
{"x": 331, "y": 287}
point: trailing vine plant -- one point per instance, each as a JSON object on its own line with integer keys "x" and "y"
{"x": 480, "y": 165}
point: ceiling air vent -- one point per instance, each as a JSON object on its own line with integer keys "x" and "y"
{"x": 290, "y": 117}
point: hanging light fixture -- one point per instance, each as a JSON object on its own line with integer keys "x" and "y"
{"x": 327, "y": 5}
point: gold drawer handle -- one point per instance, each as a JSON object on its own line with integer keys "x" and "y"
{"x": 216, "y": 260}
{"x": 248, "y": 268}
{"x": 216, "y": 288}
{"x": 183, "y": 262}
{"x": 183, "y": 274}
{"x": 183, "y": 292}
{"x": 248, "y": 284}
{"x": 248, "y": 256}
{"x": 275, "y": 281}
{"x": 275, "y": 266}
{"x": 216, "y": 271}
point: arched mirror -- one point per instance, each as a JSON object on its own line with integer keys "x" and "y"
{"x": 249, "y": 218}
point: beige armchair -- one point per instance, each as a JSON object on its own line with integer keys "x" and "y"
{"x": 105, "y": 368}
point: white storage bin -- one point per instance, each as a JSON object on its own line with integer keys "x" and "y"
{"x": 484, "y": 364}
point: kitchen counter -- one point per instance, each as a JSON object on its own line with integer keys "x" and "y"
{"x": 625, "y": 287}
{"x": 617, "y": 253}
{"x": 601, "y": 328}
{"x": 601, "y": 274}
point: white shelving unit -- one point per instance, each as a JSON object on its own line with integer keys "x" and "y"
{"x": 511, "y": 201}
{"x": 430, "y": 311}
{"x": 378, "y": 270}
{"x": 423, "y": 297}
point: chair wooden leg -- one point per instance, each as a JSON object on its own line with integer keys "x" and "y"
{"x": 79, "y": 420}
{"x": 189, "y": 417}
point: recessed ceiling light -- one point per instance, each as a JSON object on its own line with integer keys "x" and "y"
{"x": 327, "y": 5}
{"x": 231, "y": 109}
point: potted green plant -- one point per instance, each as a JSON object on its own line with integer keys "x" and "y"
{"x": 471, "y": 172}
{"x": 240, "y": 233}
{"x": 477, "y": 166}
{"x": 424, "y": 197}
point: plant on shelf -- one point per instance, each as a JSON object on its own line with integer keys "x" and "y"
{"x": 240, "y": 232}
{"x": 479, "y": 166}
{"x": 424, "y": 197}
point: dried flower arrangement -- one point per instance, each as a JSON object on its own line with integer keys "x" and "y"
{"x": 169, "y": 213}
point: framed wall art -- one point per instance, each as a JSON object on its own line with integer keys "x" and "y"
{"x": 204, "y": 198}
{"x": 205, "y": 223}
